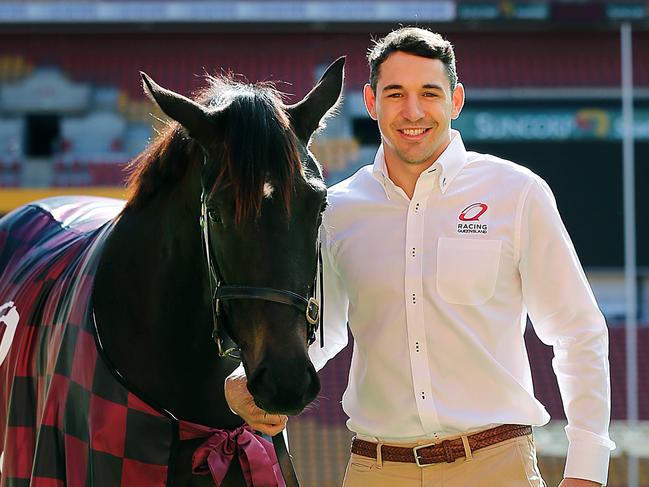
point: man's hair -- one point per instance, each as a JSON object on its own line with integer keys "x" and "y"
{"x": 412, "y": 40}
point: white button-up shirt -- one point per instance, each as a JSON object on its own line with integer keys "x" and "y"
{"x": 437, "y": 290}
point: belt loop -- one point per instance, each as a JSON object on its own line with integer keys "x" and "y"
{"x": 379, "y": 457}
{"x": 467, "y": 449}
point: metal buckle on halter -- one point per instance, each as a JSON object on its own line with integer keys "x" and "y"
{"x": 233, "y": 353}
{"x": 312, "y": 311}
{"x": 415, "y": 451}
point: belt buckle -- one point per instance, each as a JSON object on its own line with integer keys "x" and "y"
{"x": 415, "y": 451}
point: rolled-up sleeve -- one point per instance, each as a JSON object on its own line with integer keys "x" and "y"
{"x": 334, "y": 309}
{"x": 564, "y": 314}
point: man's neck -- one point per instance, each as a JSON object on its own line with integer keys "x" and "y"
{"x": 404, "y": 176}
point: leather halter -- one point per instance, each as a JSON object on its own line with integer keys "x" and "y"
{"x": 219, "y": 291}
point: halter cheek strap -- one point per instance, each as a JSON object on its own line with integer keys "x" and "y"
{"x": 309, "y": 306}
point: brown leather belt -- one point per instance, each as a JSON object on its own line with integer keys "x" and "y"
{"x": 444, "y": 451}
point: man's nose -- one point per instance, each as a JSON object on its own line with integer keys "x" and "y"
{"x": 412, "y": 110}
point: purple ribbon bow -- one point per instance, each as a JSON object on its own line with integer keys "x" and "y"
{"x": 256, "y": 455}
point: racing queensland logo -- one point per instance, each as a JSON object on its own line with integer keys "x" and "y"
{"x": 469, "y": 219}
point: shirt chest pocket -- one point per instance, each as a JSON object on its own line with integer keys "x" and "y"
{"x": 467, "y": 269}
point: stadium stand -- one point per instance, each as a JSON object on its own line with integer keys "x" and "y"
{"x": 92, "y": 151}
{"x": 11, "y": 131}
{"x": 486, "y": 59}
{"x": 13, "y": 68}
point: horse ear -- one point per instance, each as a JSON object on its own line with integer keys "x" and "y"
{"x": 199, "y": 122}
{"x": 307, "y": 114}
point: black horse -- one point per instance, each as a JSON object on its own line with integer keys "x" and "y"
{"x": 226, "y": 204}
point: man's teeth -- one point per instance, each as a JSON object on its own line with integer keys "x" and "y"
{"x": 413, "y": 132}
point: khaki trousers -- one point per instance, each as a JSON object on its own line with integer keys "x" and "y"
{"x": 510, "y": 463}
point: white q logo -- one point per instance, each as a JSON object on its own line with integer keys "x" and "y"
{"x": 10, "y": 319}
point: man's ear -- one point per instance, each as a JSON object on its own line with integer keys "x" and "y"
{"x": 458, "y": 101}
{"x": 370, "y": 101}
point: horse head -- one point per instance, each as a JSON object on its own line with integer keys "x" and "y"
{"x": 263, "y": 195}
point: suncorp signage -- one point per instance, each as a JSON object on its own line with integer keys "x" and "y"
{"x": 520, "y": 124}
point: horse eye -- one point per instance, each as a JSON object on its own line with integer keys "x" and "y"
{"x": 214, "y": 215}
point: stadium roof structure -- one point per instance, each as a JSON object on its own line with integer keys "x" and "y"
{"x": 321, "y": 14}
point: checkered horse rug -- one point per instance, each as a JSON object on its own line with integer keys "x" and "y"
{"x": 66, "y": 417}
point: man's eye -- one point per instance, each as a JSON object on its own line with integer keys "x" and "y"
{"x": 394, "y": 95}
{"x": 430, "y": 95}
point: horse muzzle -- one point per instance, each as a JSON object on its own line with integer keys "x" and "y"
{"x": 285, "y": 388}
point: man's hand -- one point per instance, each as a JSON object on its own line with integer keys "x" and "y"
{"x": 570, "y": 482}
{"x": 242, "y": 404}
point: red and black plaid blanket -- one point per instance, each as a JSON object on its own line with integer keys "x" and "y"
{"x": 65, "y": 418}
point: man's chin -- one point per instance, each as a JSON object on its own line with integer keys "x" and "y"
{"x": 417, "y": 160}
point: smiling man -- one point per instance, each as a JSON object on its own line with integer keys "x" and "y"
{"x": 413, "y": 99}
{"x": 435, "y": 257}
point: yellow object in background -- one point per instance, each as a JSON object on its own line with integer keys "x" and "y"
{"x": 11, "y": 198}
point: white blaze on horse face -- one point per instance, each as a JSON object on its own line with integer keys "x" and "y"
{"x": 268, "y": 190}
{"x": 10, "y": 320}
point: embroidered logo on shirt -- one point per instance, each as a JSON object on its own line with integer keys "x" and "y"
{"x": 470, "y": 219}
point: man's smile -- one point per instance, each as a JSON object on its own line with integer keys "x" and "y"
{"x": 413, "y": 133}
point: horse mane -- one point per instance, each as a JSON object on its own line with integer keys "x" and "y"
{"x": 257, "y": 146}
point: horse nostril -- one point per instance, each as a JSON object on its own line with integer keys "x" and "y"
{"x": 284, "y": 389}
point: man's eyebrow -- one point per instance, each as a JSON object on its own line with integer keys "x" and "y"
{"x": 427, "y": 86}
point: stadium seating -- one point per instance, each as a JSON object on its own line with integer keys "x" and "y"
{"x": 13, "y": 68}
{"x": 92, "y": 151}
{"x": 486, "y": 59}
{"x": 11, "y": 159}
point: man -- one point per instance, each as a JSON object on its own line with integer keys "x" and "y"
{"x": 436, "y": 256}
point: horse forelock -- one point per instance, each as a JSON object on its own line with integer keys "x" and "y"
{"x": 259, "y": 149}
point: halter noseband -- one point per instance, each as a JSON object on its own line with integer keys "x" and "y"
{"x": 219, "y": 292}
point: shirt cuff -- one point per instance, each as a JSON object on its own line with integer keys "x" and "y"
{"x": 588, "y": 461}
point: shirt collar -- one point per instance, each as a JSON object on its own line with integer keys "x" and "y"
{"x": 379, "y": 169}
{"x": 452, "y": 160}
